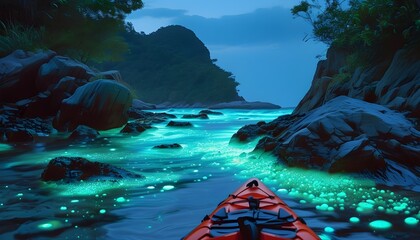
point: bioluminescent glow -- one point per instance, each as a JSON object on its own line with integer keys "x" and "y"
{"x": 380, "y": 224}
{"x": 411, "y": 221}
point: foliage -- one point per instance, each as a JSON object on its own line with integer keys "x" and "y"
{"x": 83, "y": 29}
{"x": 173, "y": 65}
{"x": 16, "y": 36}
{"x": 373, "y": 28}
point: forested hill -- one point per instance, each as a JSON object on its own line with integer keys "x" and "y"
{"x": 173, "y": 65}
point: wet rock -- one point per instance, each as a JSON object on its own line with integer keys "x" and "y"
{"x": 148, "y": 117}
{"x": 101, "y": 105}
{"x": 76, "y": 169}
{"x": 17, "y": 72}
{"x": 179, "y": 124}
{"x": 168, "y": 146}
{"x": 136, "y": 127}
{"x": 64, "y": 89}
{"x": 210, "y": 112}
{"x": 350, "y": 135}
{"x": 19, "y": 136}
{"x": 58, "y": 67}
{"x": 249, "y": 132}
{"x": 196, "y": 116}
{"x": 83, "y": 133}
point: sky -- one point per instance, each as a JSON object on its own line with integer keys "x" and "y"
{"x": 258, "y": 41}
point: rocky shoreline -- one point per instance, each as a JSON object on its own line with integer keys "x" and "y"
{"x": 367, "y": 126}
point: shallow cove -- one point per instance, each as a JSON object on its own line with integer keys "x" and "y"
{"x": 182, "y": 185}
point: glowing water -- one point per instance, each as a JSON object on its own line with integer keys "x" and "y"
{"x": 182, "y": 185}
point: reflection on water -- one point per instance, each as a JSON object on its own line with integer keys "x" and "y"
{"x": 182, "y": 185}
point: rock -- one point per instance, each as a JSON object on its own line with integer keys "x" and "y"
{"x": 58, "y": 67}
{"x": 349, "y": 135}
{"x": 274, "y": 128}
{"x": 138, "y": 104}
{"x": 64, "y": 89}
{"x": 199, "y": 116}
{"x": 76, "y": 168}
{"x": 210, "y": 112}
{"x": 244, "y": 105}
{"x": 135, "y": 127}
{"x": 36, "y": 106}
{"x": 179, "y": 124}
{"x": 110, "y": 75}
{"x": 168, "y": 146}
{"x": 19, "y": 136}
{"x": 17, "y": 72}
{"x": 148, "y": 117}
{"x": 101, "y": 105}
{"x": 83, "y": 133}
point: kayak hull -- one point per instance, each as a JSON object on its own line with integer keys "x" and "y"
{"x": 253, "y": 211}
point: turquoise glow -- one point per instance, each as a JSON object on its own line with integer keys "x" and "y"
{"x": 380, "y": 224}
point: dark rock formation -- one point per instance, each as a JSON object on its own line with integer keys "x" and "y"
{"x": 58, "y": 67}
{"x": 273, "y": 129}
{"x": 18, "y": 73}
{"x": 179, "y": 124}
{"x": 84, "y": 133}
{"x": 199, "y": 116}
{"x": 148, "y": 117}
{"x": 168, "y": 146}
{"x": 394, "y": 83}
{"x": 210, "y": 112}
{"x": 76, "y": 169}
{"x": 136, "y": 127}
{"x": 350, "y": 135}
{"x": 244, "y": 105}
{"x": 101, "y": 104}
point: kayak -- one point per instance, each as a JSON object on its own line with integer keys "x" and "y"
{"x": 252, "y": 212}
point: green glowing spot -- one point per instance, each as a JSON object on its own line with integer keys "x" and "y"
{"x": 342, "y": 195}
{"x": 324, "y": 237}
{"x": 120, "y": 199}
{"x": 329, "y": 229}
{"x": 323, "y": 207}
{"x": 74, "y": 201}
{"x": 150, "y": 187}
{"x": 364, "y": 207}
{"x": 112, "y": 149}
{"x": 45, "y": 225}
{"x": 411, "y": 221}
{"x": 282, "y": 191}
{"x": 354, "y": 220}
{"x": 302, "y": 201}
{"x": 102, "y": 211}
{"x": 195, "y": 170}
{"x": 63, "y": 208}
{"x": 380, "y": 224}
{"x": 400, "y": 207}
{"x": 168, "y": 187}
{"x": 380, "y": 208}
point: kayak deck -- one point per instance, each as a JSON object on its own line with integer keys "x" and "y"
{"x": 252, "y": 212}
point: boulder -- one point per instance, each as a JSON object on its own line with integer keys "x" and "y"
{"x": 148, "y": 117}
{"x": 58, "y": 67}
{"x": 64, "y": 89}
{"x": 84, "y": 133}
{"x": 196, "y": 116}
{"x": 70, "y": 169}
{"x": 179, "y": 124}
{"x": 210, "y": 112}
{"x": 135, "y": 127}
{"x": 349, "y": 135}
{"x": 244, "y": 105}
{"x": 101, "y": 105}
{"x": 168, "y": 146}
{"x": 18, "y": 74}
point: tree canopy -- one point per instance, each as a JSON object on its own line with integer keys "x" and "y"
{"x": 83, "y": 29}
{"x": 373, "y": 26}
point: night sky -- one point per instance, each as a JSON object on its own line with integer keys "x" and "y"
{"x": 258, "y": 41}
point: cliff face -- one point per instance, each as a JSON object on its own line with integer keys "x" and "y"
{"x": 394, "y": 83}
{"x": 173, "y": 66}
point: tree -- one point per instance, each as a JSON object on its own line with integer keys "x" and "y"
{"x": 88, "y": 30}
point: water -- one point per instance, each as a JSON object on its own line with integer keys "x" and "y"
{"x": 182, "y": 185}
